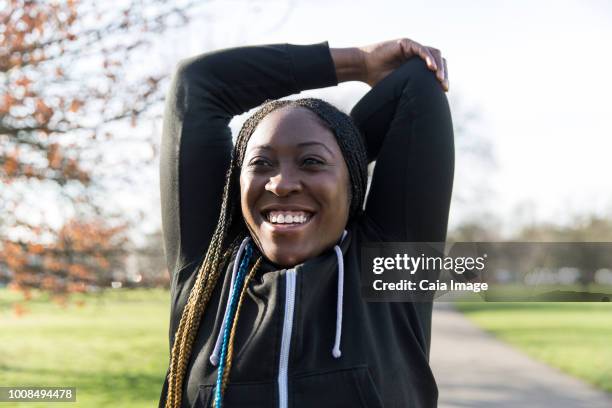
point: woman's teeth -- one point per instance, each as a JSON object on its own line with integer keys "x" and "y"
{"x": 288, "y": 217}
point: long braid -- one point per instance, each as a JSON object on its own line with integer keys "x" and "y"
{"x": 231, "y": 307}
{"x": 230, "y": 345}
{"x": 227, "y": 345}
{"x": 206, "y": 280}
{"x": 231, "y": 229}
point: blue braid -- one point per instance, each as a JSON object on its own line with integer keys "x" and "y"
{"x": 234, "y": 295}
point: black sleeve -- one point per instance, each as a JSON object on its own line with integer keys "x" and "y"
{"x": 205, "y": 93}
{"x": 408, "y": 130}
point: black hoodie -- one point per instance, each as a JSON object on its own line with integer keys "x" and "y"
{"x": 292, "y": 319}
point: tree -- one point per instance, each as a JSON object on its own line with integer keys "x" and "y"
{"x": 67, "y": 77}
{"x": 83, "y": 253}
{"x": 589, "y": 257}
{"x": 64, "y": 69}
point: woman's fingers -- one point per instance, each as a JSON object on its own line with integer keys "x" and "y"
{"x": 429, "y": 58}
{"x": 412, "y": 48}
{"x": 432, "y": 57}
{"x": 442, "y": 71}
{"x": 445, "y": 82}
{"x": 438, "y": 56}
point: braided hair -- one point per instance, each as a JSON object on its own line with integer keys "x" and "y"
{"x": 231, "y": 229}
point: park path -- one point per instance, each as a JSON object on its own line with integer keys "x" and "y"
{"x": 475, "y": 370}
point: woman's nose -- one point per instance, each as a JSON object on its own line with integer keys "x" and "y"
{"x": 284, "y": 183}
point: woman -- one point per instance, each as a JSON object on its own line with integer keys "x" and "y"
{"x": 263, "y": 238}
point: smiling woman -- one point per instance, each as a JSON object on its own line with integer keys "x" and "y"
{"x": 263, "y": 237}
{"x": 294, "y": 166}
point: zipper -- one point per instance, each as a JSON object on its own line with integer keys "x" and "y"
{"x": 283, "y": 398}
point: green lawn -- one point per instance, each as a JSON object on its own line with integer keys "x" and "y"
{"x": 574, "y": 337}
{"x": 114, "y": 349}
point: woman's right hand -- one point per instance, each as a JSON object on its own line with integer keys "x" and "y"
{"x": 380, "y": 59}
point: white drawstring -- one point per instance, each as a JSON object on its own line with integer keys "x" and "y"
{"x": 214, "y": 357}
{"x": 336, "y": 349}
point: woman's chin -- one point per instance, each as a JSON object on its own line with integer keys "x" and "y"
{"x": 284, "y": 256}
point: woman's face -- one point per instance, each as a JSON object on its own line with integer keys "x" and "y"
{"x": 294, "y": 186}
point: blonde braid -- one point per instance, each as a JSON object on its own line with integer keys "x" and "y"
{"x": 230, "y": 346}
{"x": 206, "y": 279}
{"x": 181, "y": 342}
{"x": 199, "y": 296}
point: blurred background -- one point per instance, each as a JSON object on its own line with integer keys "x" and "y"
{"x": 84, "y": 295}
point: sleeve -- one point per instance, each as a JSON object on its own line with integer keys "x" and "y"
{"x": 407, "y": 126}
{"x": 206, "y": 91}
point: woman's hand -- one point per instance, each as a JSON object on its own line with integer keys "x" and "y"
{"x": 380, "y": 59}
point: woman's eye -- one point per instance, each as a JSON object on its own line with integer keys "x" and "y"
{"x": 260, "y": 162}
{"x": 312, "y": 161}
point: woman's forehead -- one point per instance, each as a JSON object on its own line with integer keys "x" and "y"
{"x": 291, "y": 126}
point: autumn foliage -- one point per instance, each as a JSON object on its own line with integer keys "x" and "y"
{"x": 67, "y": 74}
{"x": 81, "y": 254}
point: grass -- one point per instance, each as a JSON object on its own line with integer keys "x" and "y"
{"x": 574, "y": 337}
{"x": 113, "y": 349}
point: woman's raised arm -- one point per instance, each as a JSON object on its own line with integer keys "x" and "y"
{"x": 406, "y": 121}
{"x": 206, "y": 92}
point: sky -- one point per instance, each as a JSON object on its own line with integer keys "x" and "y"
{"x": 535, "y": 75}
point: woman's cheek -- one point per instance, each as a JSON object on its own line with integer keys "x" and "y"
{"x": 336, "y": 195}
{"x": 248, "y": 196}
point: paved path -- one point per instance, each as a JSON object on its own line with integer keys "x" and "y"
{"x": 473, "y": 369}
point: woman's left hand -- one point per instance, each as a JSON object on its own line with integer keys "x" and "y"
{"x": 382, "y": 58}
